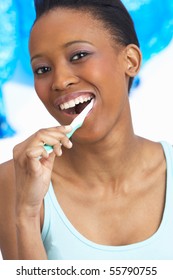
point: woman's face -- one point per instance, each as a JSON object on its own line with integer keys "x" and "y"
{"x": 75, "y": 59}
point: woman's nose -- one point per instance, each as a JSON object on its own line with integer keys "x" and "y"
{"x": 63, "y": 78}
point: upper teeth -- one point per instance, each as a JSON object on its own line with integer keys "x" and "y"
{"x": 74, "y": 102}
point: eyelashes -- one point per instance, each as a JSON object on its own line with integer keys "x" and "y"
{"x": 77, "y": 57}
{"x": 42, "y": 70}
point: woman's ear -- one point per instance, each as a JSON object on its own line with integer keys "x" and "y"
{"x": 133, "y": 58}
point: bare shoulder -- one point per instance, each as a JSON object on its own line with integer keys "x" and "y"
{"x": 7, "y": 179}
{"x": 5, "y": 168}
{"x": 7, "y": 210}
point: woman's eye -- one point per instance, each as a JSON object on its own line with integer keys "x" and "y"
{"x": 42, "y": 70}
{"x": 79, "y": 55}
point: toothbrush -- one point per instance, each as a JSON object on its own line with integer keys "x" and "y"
{"x": 76, "y": 123}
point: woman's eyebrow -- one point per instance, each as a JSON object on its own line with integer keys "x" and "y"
{"x": 36, "y": 56}
{"x": 77, "y": 42}
{"x": 66, "y": 45}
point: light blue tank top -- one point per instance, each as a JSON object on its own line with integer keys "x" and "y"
{"x": 63, "y": 242}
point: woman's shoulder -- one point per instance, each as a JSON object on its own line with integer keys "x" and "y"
{"x": 7, "y": 176}
{"x": 7, "y": 210}
{"x": 7, "y": 165}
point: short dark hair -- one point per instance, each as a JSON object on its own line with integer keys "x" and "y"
{"x": 112, "y": 13}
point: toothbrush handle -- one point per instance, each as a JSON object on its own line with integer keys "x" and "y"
{"x": 73, "y": 130}
{"x": 49, "y": 148}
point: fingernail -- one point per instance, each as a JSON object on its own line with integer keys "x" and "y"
{"x": 60, "y": 153}
{"x": 70, "y": 144}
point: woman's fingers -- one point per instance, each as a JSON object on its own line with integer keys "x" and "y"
{"x": 35, "y": 152}
{"x": 33, "y": 147}
{"x": 55, "y": 137}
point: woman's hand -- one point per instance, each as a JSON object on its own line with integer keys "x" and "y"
{"x": 33, "y": 168}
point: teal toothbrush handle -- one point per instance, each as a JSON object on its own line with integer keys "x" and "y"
{"x": 73, "y": 130}
{"x": 49, "y": 148}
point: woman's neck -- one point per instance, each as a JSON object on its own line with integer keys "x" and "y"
{"x": 105, "y": 161}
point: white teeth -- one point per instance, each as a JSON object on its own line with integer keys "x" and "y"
{"x": 62, "y": 107}
{"x": 77, "y": 101}
{"x": 66, "y": 106}
{"x": 81, "y": 99}
{"x": 72, "y": 103}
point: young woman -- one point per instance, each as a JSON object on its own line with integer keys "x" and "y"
{"x": 105, "y": 193}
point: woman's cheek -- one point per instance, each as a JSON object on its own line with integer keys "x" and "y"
{"x": 41, "y": 90}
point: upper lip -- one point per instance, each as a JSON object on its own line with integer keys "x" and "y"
{"x": 71, "y": 96}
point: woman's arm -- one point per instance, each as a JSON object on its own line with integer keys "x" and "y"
{"x": 8, "y": 242}
{"x": 29, "y": 242}
{"x": 20, "y": 237}
{"x": 27, "y": 179}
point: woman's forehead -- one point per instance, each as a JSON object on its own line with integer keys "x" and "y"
{"x": 67, "y": 16}
{"x": 68, "y": 24}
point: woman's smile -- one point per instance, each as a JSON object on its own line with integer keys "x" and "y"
{"x": 73, "y": 103}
